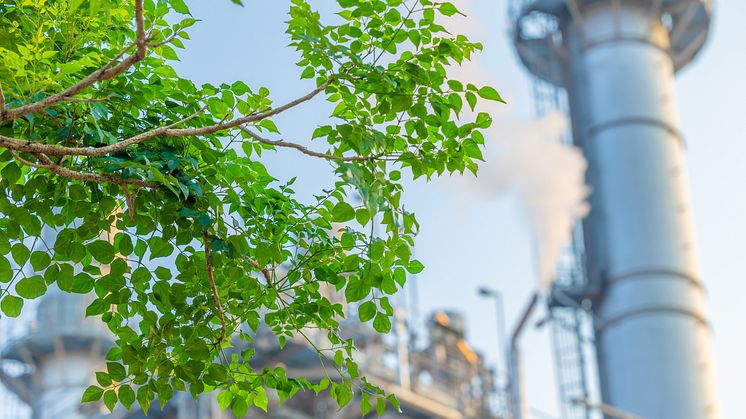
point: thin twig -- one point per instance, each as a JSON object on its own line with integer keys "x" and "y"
{"x": 164, "y": 42}
{"x": 192, "y": 116}
{"x": 92, "y": 100}
{"x": 214, "y": 288}
{"x": 2, "y": 102}
{"x": 265, "y": 272}
{"x": 34, "y": 147}
{"x": 302, "y": 149}
{"x": 47, "y": 164}
{"x": 106, "y": 72}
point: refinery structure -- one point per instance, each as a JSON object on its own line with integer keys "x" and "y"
{"x": 48, "y": 364}
{"x": 610, "y": 64}
{"x": 631, "y": 338}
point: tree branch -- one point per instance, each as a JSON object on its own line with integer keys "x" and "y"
{"x": 302, "y": 149}
{"x": 214, "y": 288}
{"x": 265, "y": 272}
{"x": 2, "y": 102}
{"x": 140, "y": 31}
{"x": 106, "y": 72}
{"x": 91, "y": 100}
{"x": 34, "y": 147}
{"x": 46, "y": 163}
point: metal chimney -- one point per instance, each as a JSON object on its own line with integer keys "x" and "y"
{"x": 617, "y": 59}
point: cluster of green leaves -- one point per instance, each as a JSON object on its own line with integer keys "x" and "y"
{"x": 142, "y": 251}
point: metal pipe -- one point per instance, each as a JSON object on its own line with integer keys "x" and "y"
{"x": 609, "y": 411}
{"x": 651, "y": 336}
{"x": 500, "y": 318}
{"x": 518, "y": 402}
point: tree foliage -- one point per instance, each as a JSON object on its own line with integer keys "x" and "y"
{"x": 121, "y": 178}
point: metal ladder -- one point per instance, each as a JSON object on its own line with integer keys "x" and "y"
{"x": 570, "y": 326}
{"x": 570, "y": 321}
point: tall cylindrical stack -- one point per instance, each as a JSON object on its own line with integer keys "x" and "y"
{"x": 617, "y": 60}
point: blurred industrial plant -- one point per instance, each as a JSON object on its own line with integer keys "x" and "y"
{"x": 631, "y": 339}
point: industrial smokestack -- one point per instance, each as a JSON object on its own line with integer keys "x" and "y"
{"x": 617, "y": 59}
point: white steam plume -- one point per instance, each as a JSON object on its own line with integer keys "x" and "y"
{"x": 528, "y": 159}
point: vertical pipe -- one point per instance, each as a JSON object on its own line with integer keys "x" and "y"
{"x": 517, "y": 399}
{"x": 651, "y": 332}
{"x": 402, "y": 349}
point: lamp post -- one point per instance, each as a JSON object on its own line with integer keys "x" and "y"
{"x": 496, "y": 296}
{"x": 499, "y": 312}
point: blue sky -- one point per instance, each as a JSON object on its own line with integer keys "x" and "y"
{"x": 470, "y": 239}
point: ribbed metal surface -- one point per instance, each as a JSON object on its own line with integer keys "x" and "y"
{"x": 617, "y": 60}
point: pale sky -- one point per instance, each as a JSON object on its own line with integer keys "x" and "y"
{"x": 470, "y": 239}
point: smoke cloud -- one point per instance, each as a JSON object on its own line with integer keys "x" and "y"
{"x": 526, "y": 158}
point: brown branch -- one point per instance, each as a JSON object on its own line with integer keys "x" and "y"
{"x": 47, "y": 164}
{"x": 107, "y": 72}
{"x": 165, "y": 41}
{"x": 214, "y": 288}
{"x": 140, "y": 31}
{"x": 92, "y": 100}
{"x": 302, "y": 149}
{"x": 192, "y": 116}
{"x": 265, "y": 272}
{"x": 2, "y": 102}
{"x": 33, "y": 147}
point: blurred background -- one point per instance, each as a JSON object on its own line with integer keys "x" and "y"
{"x": 507, "y": 230}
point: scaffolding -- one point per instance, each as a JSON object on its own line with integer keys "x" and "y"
{"x": 571, "y": 320}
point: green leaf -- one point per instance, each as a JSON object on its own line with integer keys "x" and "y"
{"x": 92, "y": 394}
{"x": 448, "y": 9}
{"x": 160, "y": 248}
{"x": 394, "y": 402}
{"x": 110, "y": 399}
{"x": 365, "y": 405}
{"x": 126, "y": 396}
{"x": 239, "y": 407}
{"x": 342, "y": 212}
{"x": 388, "y": 286}
{"x": 415, "y": 267}
{"x": 455, "y": 85}
{"x": 380, "y": 406}
{"x": 145, "y": 398}
{"x": 97, "y": 307}
{"x": 103, "y": 379}
{"x": 116, "y": 371}
{"x": 471, "y": 99}
{"x": 356, "y": 290}
{"x": 179, "y": 6}
{"x": 342, "y": 394}
{"x": 20, "y": 253}
{"x": 101, "y": 250}
{"x": 11, "y": 172}
{"x": 381, "y": 323}
{"x": 225, "y": 398}
{"x": 31, "y": 287}
{"x": 73, "y": 6}
{"x": 167, "y": 52}
{"x": 123, "y": 243}
{"x": 6, "y": 271}
{"x": 198, "y": 350}
{"x": 260, "y": 398}
{"x": 308, "y": 73}
{"x": 490, "y": 93}
{"x": 366, "y": 311}
{"x": 11, "y": 305}
{"x": 40, "y": 260}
